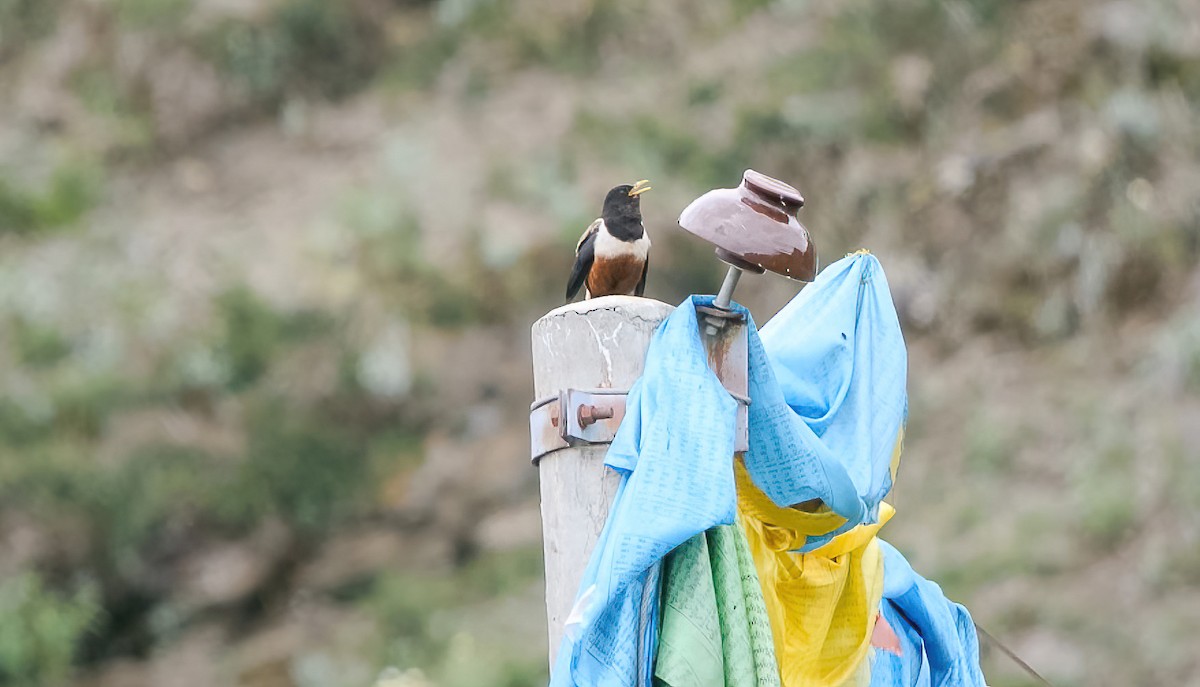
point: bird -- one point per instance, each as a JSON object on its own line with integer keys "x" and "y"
{"x": 613, "y": 254}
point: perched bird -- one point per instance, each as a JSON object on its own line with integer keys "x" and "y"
{"x": 613, "y": 255}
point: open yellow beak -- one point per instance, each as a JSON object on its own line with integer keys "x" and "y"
{"x": 640, "y": 188}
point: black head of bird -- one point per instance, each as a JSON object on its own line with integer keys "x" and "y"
{"x": 622, "y": 211}
{"x": 613, "y": 254}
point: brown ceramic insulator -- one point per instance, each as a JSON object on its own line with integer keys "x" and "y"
{"x": 754, "y": 226}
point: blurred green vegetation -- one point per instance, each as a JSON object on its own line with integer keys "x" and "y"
{"x": 61, "y": 200}
{"x": 302, "y": 462}
{"x": 152, "y": 13}
{"x": 1109, "y": 507}
{"x": 1025, "y": 167}
{"x": 41, "y": 630}
{"x": 307, "y": 47}
{"x": 23, "y": 22}
{"x": 420, "y": 614}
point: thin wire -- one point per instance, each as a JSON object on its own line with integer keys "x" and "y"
{"x": 1009, "y": 652}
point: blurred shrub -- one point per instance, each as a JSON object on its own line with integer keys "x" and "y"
{"x": 573, "y": 45}
{"x": 390, "y": 254}
{"x": 429, "y": 620}
{"x": 1106, "y": 492}
{"x": 83, "y": 404}
{"x": 472, "y": 661}
{"x": 152, "y": 13}
{"x": 307, "y": 461}
{"x": 990, "y": 445}
{"x": 306, "y": 47}
{"x": 71, "y": 407}
{"x": 305, "y": 469}
{"x": 125, "y": 119}
{"x": 252, "y": 334}
{"x": 21, "y": 425}
{"x": 417, "y": 66}
{"x": 155, "y": 488}
{"x": 660, "y": 146}
{"x": 37, "y": 344}
{"x": 24, "y": 21}
{"x": 41, "y": 631}
{"x": 70, "y": 191}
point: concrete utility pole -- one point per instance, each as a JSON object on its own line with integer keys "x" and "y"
{"x": 587, "y": 355}
{"x": 580, "y": 349}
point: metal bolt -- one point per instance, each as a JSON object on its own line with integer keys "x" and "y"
{"x": 723, "y": 300}
{"x": 589, "y": 415}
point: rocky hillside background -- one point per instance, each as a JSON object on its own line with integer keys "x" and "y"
{"x": 267, "y": 269}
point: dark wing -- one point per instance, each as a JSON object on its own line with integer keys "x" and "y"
{"x": 641, "y": 287}
{"x": 585, "y": 253}
{"x": 588, "y": 234}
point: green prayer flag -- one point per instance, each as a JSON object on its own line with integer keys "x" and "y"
{"x": 714, "y": 628}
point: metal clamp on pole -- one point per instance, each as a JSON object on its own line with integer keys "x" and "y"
{"x": 574, "y": 417}
{"x": 579, "y": 417}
